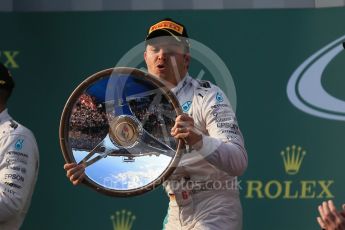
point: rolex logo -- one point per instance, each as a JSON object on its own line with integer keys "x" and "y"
{"x": 122, "y": 220}
{"x": 9, "y": 58}
{"x": 293, "y": 157}
{"x": 287, "y": 188}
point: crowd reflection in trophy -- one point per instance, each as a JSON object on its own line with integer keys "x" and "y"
{"x": 157, "y": 118}
{"x": 88, "y": 122}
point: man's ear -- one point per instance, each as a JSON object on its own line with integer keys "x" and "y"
{"x": 145, "y": 55}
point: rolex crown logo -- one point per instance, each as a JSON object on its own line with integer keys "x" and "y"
{"x": 293, "y": 157}
{"x": 122, "y": 220}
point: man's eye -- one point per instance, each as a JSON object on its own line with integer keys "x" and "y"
{"x": 154, "y": 49}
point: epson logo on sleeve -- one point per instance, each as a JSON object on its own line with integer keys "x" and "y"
{"x": 14, "y": 177}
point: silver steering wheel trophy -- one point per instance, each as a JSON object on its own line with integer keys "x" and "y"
{"x": 117, "y": 122}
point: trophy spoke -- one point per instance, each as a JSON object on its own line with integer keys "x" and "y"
{"x": 93, "y": 160}
{"x": 104, "y": 148}
{"x": 89, "y": 155}
{"x": 153, "y": 144}
{"x": 152, "y": 150}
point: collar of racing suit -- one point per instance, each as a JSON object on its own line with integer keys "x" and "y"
{"x": 4, "y": 116}
{"x": 177, "y": 89}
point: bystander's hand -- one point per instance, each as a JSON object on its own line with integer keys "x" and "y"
{"x": 330, "y": 218}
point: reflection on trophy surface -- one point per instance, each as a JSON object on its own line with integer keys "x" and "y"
{"x": 157, "y": 119}
{"x": 88, "y": 123}
{"x": 118, "y": 126}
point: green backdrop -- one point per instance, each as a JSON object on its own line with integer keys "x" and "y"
{"x": 49, "y": 54}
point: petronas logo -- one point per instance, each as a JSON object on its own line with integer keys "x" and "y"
{"x": 122, "y": 220}
{"x": 293, "y": 157}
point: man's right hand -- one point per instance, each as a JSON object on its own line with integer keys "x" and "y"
{"x": 75, "y": 172}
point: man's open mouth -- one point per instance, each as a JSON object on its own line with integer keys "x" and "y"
{"x": 161, "y": 66}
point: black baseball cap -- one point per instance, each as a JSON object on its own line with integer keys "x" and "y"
{"x": 168, "y": 27}
{"x": 6, "y": 80}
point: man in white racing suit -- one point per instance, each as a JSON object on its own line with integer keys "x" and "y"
{"x": 203, "y": 189}
{"x": 18, "y": 162}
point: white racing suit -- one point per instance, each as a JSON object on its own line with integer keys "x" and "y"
{"x": 18, "y": 171}
{"x": 203, "y": 189}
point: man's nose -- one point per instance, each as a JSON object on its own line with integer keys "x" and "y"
{"x": 162, "y": 54}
